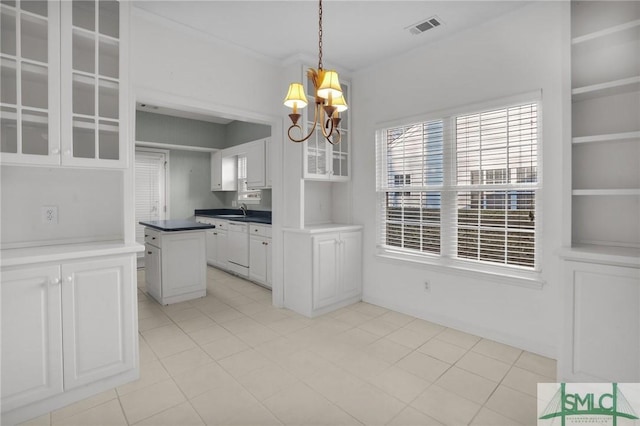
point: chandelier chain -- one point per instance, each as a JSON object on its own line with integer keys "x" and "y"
{"x": 320, "y": 35}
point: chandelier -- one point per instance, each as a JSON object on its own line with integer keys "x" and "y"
{"x": 329, "y": 100}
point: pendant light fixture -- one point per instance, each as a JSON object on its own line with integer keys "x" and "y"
{"x": 329, "y": 100}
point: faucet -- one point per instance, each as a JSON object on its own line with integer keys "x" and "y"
{"x": 243, "y": 207}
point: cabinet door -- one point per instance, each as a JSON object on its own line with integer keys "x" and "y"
{"x": 267, "y": 163}
{"x": 31, "y": 335}
{"x": 29, "y": 66}
{"x": 325, "y": 270}
{"x": 350, "y": 257}
{"x": 98, "y": 320}
{"x": 212, "y": 246}
{"x": 269, "y": 250}
{"x": 216, "y": 171}
{"x": 95, "y": 103}
{"x": 221, "y": 252}
{"x": 256, "y": 165}
{"x": 258, "y": 259}
{"x": 184, "y": 263}
{"x": 153, "y": 271}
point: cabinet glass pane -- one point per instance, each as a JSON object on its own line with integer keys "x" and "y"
{"x": 108, "y": 58}
{"x": 35, "y": 133}
{"x": 84, "y": 138}
{"x": 35, "y": 87}
{"x": 8, "y": 81}
{"x": 8, "y": 32}
{"x": 33, "y": 34}
{"x": 109, "y": 148}
{"x": 8, "y": 130}
{"x": 108, "y": 99}
{"x": 35, "y": 6}
{"x": 84, "y": 95}
{"x": 84, "y": 48}
{"x": 109, "y": 18}
{"x": 11, "y": 3}
{"x": 316, "y": 154}
{"x": 84, "y": 14}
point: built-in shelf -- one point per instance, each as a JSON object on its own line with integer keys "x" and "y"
{"x": 608, "y": 88}
{"x": 616, "y": 255}
{"x": 607, "y": 137}
{"x": 88, "y": 79}
{"x": 91, "y": 35}
{"x": 631, "y": 191}
{"x": 605, "y": 32}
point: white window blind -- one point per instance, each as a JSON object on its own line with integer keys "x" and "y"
{"x": 245, "y": 195}
{"x": 150, "y": 189}
{"x": 477, "y": 203}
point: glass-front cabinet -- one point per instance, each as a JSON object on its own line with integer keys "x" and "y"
{"x": 321, "y": 159}
{"x": 29, "y": 67}
{"x": 63, "y": 97}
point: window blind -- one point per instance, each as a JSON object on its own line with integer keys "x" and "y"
{"x": 245, "y": 194}
{"x": 150, "y": 199}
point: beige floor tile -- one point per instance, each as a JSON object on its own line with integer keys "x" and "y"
{"x": 412, "y": 417}
{"x": 204, "y": 378}
{"x": 244, "y": 362}
{"x": 458, "y": 338}
{"x": 38, "y": 421}
{"x": 370, "y": 405}
{"x": 209, "y": 334}
{"x": 253, "y": 414}
{"x": 266, "y": 381}
{"x": 334, "y": 383}
{"x": 174, "y": 307}
{"x": 400, "y": 384}
{"x": 387, "y": 350}
{"x": 408, "y": 338}
{"x": 289, "y": 325}
{"x": 537, "y": 364}
{"x": 83, "y": 405}
{"x": 379, "y": 327}
{"x": 225, "y": 315}
{"x": 257, "y": 336}
{"x": 252, "y": 308}
{"x": 364, "y": 365}
{"x": 513, "y": 404}
{"x": 153, "y": 321}
{"x": 397, "y": 318}
{"x": 303, "y": 364}
{"x": 170, "y": 346}
{"x": 423, "y": 366}
{"x": 525, "y": 381}
{"x": 332, "y": 416}
{"x": 150, "y": 373}
{"x": 484, "y": 366}
{"x": 151, "y": 400}
{"x": 352, "y": 318}
{"x": 149, "y": 309}
{"x": 219, "y": 405}
{"x": 239, "y": 300}
{"x": 194, "y": 324}
{"x": 222, "y": 348}
{"x": 445, "y": 406}
{"x": 499, "y": 351}
{"x": 443, "y": 351}
{"x": 486, "y": 417}
{"x": 333, "y": 350}
{"x": 357, "y": 337}
{"x": 242, "y": 325}
{"x": 369, "y": 309}
{"x": 269, "y": 315}
{"x": 278, "y": 348}
{"x": 297, "y": 404}
{"x": 427, "y": 329}
{"x": 181, "y": 315}
{"x": 467, "y": 385}
{"x": 109, "y": 413}
{"x": 145, "y": 353}
{"x": 185, "y": 361}
{"x": 182, "y": 415}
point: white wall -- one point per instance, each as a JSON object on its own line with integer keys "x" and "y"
{"x": 516, "y": 53}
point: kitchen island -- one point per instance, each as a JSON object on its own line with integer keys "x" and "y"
{"x": 175, "y": 260}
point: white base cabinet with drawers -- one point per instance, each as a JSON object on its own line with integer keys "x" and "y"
{"x": 260, "y": 254}
{"x": 323, "y": 268}
{"x": 68, "y": 331}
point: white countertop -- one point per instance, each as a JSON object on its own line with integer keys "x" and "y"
{"x": 61, "y": 252}
{"x": 325, "y": 227}
{"x": 621, "y": 256}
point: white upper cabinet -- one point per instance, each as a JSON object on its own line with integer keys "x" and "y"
{"x": 30, "y": 64}
{"x": 256, "y": 164}
{"x": 64, "y": 97}
{"x": 322, "y": 160}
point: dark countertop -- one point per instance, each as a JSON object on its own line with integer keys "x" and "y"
{"x": 255, "y": 216}
{"x": 176, "y": 225}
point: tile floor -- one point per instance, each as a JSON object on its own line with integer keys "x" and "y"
{"x": 232, "y": 359}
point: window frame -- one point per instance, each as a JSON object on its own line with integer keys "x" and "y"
{"x": 242, "y": 184}
{"x": 447, "y": 260}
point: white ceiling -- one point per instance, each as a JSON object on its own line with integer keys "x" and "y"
{"x": 357, "y": 34}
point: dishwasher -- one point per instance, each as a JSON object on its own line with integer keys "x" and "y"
{"x": 238, "y": 248}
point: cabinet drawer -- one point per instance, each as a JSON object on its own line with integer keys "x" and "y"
{"x": 207, "y": 220}
{"x": 262, "y": 230}
{"x": 151, "y": 236}
{"x": 237, "y": 227}
{"x": 221, "y": 224}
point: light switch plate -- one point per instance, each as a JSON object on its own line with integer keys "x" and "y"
{"x": 49, "y": 214}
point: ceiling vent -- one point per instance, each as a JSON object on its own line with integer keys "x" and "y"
{"x": 425, "y": 25}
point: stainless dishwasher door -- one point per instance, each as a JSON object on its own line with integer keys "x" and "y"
{"x": 238, "y": 244}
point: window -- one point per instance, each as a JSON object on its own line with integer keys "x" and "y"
{"x": 468, "y": 196}
{"x": 245, "y": 195}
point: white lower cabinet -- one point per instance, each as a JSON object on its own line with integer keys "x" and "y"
{"x": 601, "y": 339}
{"x": 260, "y": 254}
{"x": 323, "y": 269}
{"x": 68, "y": 330}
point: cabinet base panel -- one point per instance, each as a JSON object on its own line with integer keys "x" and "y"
{"x": 179, "y": 298}
{"x": 40, "y": 408}
{"x": 312, "y": 313}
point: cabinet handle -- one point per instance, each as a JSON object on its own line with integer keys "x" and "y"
{"x": 67, "y": 152}
{"x": 153, "y": 238}
{"x": 215, "y": 233}
{"x": 55, "y": 151}
{"x": 149, "y": 252}
{"x": 69, "y": 279}
{"x": 55, "y": 281}
{"x": 145, "y": 235}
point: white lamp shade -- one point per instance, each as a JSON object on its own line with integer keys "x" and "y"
{"x": 330, "y": 86}
{"x": 340, "y": 104}
{"x": 295, "y": 96}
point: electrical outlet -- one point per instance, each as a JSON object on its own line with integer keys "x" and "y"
{"x": 49, "y": 214}
{"x": 427, "y": 286}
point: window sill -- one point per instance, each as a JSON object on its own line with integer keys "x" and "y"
{"x": 493, "y": 273}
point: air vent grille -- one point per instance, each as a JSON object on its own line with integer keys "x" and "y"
{"x": 425, "y": 25}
